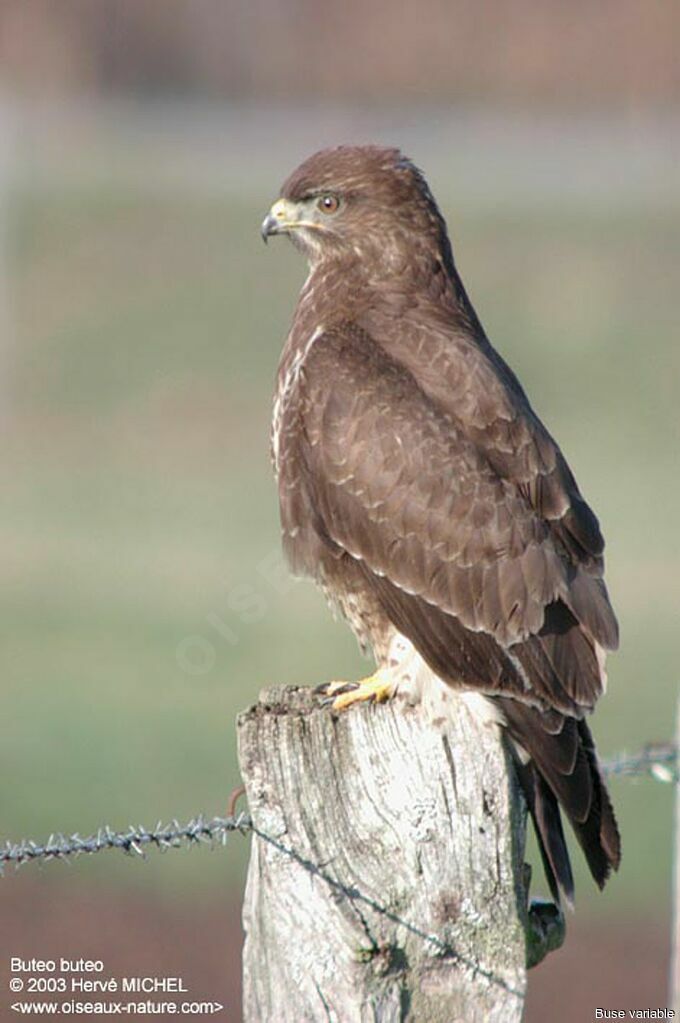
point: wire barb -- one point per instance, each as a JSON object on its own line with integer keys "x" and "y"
{"x": 134, "y": 841}
{"x": 660, "y": 761}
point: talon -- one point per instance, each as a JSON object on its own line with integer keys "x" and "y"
{"x": 374, "y": 688}
{"x": 333, "y": 688}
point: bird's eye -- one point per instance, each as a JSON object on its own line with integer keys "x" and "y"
{"x": 328, "y": 203}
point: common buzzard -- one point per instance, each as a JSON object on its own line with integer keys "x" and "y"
{"x": 421, "y": 491}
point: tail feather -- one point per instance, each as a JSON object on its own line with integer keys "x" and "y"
{"x": 563, "y": 771}
{"x": 601, "y": 830}
{"x": 542, "y": 687}
{"x": 545, "y": 813}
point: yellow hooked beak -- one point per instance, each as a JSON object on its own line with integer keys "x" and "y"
{"x": 284, "y": 216}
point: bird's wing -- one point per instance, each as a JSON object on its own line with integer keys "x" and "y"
{"x": 398, "y": 483}
{"x": 465, "y": 376}
{"x": 465, "y": 563}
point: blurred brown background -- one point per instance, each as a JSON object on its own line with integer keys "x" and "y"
{"x": 140, "y": 324}
{"x": 617, "y": 53}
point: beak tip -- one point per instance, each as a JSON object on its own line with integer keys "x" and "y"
{"x": 268, "y": 228}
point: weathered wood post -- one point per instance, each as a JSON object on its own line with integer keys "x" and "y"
{"x": 386, "y": 879}
{"x": 674, "y": 997}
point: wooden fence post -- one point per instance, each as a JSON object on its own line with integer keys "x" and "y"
{"x": 386, "y": 879}
{"x": 674, "y": 1000}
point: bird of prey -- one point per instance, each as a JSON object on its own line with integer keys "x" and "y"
{"x": 421, "y": 491}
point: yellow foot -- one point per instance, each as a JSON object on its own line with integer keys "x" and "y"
{"x": 372, "y": 688}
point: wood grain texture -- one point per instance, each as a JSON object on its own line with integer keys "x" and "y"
{"x": 386, "y": 873}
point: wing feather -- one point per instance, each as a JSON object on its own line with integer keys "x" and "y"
{"x": 470, "y": 532}
{"x": 401, "y": 485}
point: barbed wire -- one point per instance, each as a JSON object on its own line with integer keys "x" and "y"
{"x": 134, "y": 840}
{"x": 660, "y": 761}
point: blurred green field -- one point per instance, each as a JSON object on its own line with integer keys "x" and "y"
{"x": 140, "y": 603}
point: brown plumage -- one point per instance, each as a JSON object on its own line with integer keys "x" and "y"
{"x": 421, "y": 491}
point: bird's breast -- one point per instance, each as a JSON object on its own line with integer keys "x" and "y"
{"x": 286, "y": 394}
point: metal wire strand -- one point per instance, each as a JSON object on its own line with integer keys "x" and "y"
{"x": 656, "y": 760}
{"x": 135, "y": 840}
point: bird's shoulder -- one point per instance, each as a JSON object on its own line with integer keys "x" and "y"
{"x": 459, "y": 370}
{"x": 396, "y": 410}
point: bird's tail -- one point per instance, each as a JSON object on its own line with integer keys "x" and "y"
{"x": 563, "y": 772}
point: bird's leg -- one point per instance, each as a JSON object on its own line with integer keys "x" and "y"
{"x": 377, "y": 687}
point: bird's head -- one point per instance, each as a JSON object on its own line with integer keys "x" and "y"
{"x": 362, "y": 202}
